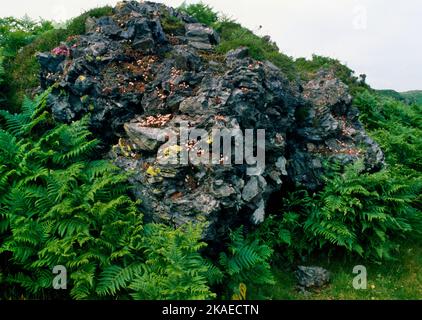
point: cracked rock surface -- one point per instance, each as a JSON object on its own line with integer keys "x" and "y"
{"x": 148, "y": 67}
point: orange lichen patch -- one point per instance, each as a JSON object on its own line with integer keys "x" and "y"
{"x": 211, "y": 56}
{"x": 183, "y": 86}
{"x": 156, "y": 121}
{"x": 176, "y": 195}
{"x": 141, "y": 68}
{"x": 122, "y": 19}
{"x": 190, "y": 144}
{"x": 133, "y": 87}
{"x": 346, "y": 128}
{"x": 134, "y": 77}
{"x": 255, "y": 65}
{"x": 279, "y": 138}
{"x": 217, "y": 100}
{"x": 352, "y": 151}
{"x": 174, "y": 74}
{"x": 174, "y": 40}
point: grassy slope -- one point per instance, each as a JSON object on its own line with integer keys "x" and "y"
{"x": 413, "y": 96}
{"x": 398, "y": 280}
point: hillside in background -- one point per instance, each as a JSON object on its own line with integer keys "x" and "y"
{"x": 409, "y": 97}
{"x": 413, "y": 96}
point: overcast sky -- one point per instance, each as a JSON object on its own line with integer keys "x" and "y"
{"x": 381, "y": 38}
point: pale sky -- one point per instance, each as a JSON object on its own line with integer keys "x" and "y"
{"x": 380, "y": 38}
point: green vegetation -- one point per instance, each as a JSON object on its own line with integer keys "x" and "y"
{"x": 413, "y": 96}
{"x": 22, "y": 39}
{"x": 172, "y": 25}
{"x": 391, "y": 94}
{"x": 246, "y": 261}
{"x": 200, "y": 11}
{"x": 357, "y": 213}
{"x": 2, "y": 71}
{"x": 17, "y": 33}
{"x": 392, "y": 280}
{"x": 308, "y": 68}
{"x": 60, "y": 205}
{"x": 409, "y": 97}
{"x": 233, "y": 36}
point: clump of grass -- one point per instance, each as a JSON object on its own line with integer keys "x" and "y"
{"x": 172, "y": 25}
{"x": 76, "y": 26}
{"x": 201, "y": 12}
{"x": 307, "y": 68}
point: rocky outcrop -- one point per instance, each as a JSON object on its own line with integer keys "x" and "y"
{"x": 311, "y": 278}
{"x": 146, "y": 71}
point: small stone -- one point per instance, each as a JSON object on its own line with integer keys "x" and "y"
{"x": 312, "y": 277}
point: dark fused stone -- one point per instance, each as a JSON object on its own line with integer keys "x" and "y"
{"x": 50, "y": 62}
{"x": 82, "y": 85}
{"x": 108, "y": 26}
{"x": 133, "y": 80}
{"x": 145, "y": 44}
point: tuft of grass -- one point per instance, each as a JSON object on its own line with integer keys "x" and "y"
{"x": 172, "y": 25}
{"x": 201, "y": 12}
{"x": 307, "y": 69}
{"x": 76, "y": 25}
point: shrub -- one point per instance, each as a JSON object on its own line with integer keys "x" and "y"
{"x": 174, "y": 268}
{"x": 76, "y": 25}
{"x": 17, "y": 33}
{"x": 233, "y": 36}
{"x": 396, "y": 126}
{"x": 23, "y": 72}
{"x": 59, "y": 207}
{"x": 201, "y": 12}
{"x": 172, "y": 25}
{"x": 368, "y": 214}
{"x": 308, "y": 68}
{"x": 360, "y": 213}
